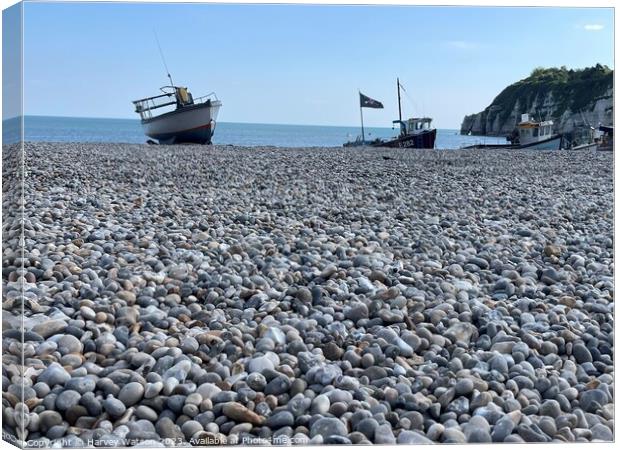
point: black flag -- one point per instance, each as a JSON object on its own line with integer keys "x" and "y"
{"x": 367, "y": 102}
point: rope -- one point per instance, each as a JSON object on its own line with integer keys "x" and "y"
{"x": 413, "y": 103}
{"x": 161, "y": 53}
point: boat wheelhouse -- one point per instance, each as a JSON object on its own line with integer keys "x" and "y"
{"x": 538, "y": 135}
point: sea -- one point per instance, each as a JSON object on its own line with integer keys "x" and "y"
{"x": 79, "y": 129}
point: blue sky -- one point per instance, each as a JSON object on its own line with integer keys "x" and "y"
{"x": 299, "y": 64}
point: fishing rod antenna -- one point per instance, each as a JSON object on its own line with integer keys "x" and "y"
{"x": 161, "y": 53}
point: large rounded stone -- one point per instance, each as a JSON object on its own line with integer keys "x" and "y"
{"x": 131, "y": 393}
{"x": 328, "y": 426}
{"x": 53, "y": 375}
{"x": 67, "y": 399}
{"x": 114, "y": 407}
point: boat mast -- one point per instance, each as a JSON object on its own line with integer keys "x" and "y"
{"x": 400, "y": 118}
{"x": 361, "y": 116}
{"x": 161, "y": 53}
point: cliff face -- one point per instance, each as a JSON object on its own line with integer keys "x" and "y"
{"x": 571, "y": 98}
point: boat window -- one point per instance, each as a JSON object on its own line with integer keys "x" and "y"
{"x": 535, "y": 132}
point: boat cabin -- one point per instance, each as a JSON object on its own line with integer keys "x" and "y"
{"x": 531, "y": 131}
{"x": 176, "y": 96}
{"x": 415, "y": 125}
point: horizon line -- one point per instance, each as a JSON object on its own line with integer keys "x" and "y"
{"x": 246, "y": 123}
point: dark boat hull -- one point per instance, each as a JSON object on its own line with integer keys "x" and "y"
{"x": 425, "y": 139}
{"x": 198, "y": 135}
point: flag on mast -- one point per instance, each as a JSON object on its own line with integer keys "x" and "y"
{"x": 367, "y": 102}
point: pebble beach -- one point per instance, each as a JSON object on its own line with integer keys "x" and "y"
{"x": 204, "y": 295}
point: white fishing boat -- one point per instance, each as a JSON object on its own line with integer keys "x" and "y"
{"x": 537, "y": 135}
{"x": 175, "y": 117}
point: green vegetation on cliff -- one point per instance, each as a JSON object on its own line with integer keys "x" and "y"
{"x": 571, "y": 89}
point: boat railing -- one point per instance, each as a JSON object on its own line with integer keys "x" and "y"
{"x": 145, "y": 106}
{"x": 210, "y": 96}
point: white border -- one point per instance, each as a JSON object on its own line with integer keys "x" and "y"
{"x": 489, "y": 3}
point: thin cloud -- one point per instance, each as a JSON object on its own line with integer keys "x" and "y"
{"x": 593, "y": 27}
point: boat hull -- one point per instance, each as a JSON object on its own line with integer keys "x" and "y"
{"x": 425, "y": 139}
{"x": 553, "y": 143}
{"x": 190, "y": 124}
{"x": 592, "y": 146}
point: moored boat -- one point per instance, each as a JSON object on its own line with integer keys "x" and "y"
{"x": 537, "y": 135}
{"x": 416, "y": 132}
{"x": 580, "y": 138}
{"x": 586, "y": 146}
{"x": 606, "y": 141}
{"x": 183, "y": 119}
